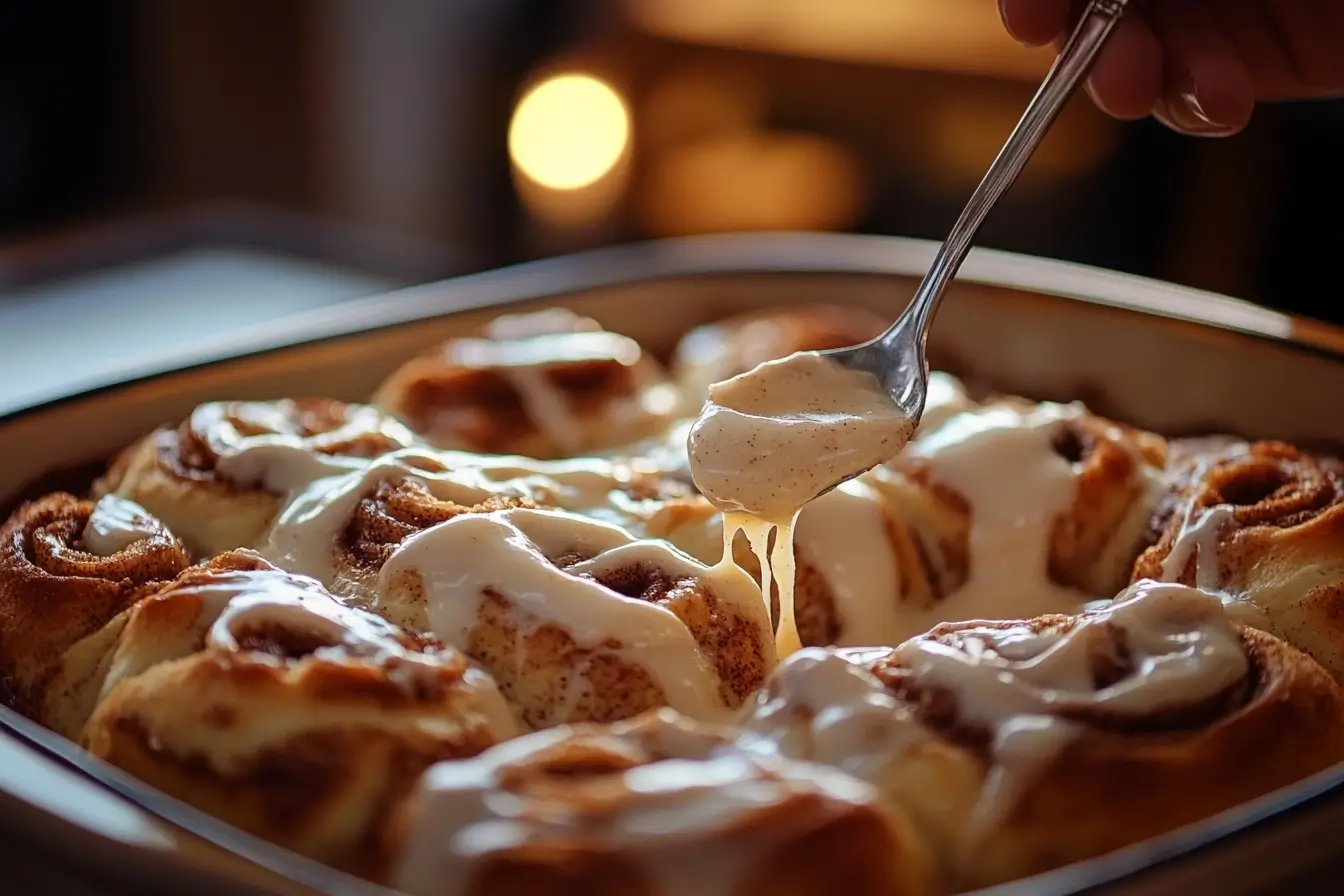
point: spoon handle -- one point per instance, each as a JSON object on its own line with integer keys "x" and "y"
{"x": 1064, "y": 76}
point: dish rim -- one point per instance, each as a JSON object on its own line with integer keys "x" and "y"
{"x": 727, "y": 255}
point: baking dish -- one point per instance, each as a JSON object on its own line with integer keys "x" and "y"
{"x": 1166, "y": 358}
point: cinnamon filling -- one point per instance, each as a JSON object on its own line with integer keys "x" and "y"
{"x": 397, "y": 510}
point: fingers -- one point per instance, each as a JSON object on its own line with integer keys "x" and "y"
{"x": 1035, "y": 22}
{"x": 1126, "y": 79}
{"x": 1206, "y": 88}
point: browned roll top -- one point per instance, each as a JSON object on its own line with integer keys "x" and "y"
{"x": 323, "y": 425}
{"x": 398, "y": 509}
{"x": 54, "y": 590}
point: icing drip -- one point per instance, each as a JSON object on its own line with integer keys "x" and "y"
{"x": 1016, "y": 682}
{"x": 278, "y": 459}
{"x": 510, "y": 555}
{"x": 821, "y": 706}
{"x": 684, "y": 807}
{"x": 115, "y": 524}
{"x": 1001, "y": 461}
{"x": 1027, "y": 689}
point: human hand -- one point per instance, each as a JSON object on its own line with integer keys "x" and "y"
{"x": 1200, "y": 66}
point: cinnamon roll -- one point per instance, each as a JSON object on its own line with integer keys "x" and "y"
{"x": 1262, "y": 524}
{"x": 342, "y": 529}
{"x": 722, "y": 350}
{"x": 579, "y": 621}
{"x": 67, "y": 567}
{"x": 255, "y": 696}
{"x": 1006, "y": 511}
{"x": 1017, "y": 747}
{"x": 657, "y": 805}
{"x": 544, "y": 385}
{"x": 220, "y": 476}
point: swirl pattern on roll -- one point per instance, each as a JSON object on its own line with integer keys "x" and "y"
{"x": 1262, "y": 524}
{"x": 544, "y": 385}
{"x": 657, "y": 805}
{"x": 255, "y": 695}
{"x": 578, "y": 621}
{"x": 221, "y": 475}
{"x": 1020, "y": 746}
{"x": 999, "y": 511}
{"x": 67, "y": 567}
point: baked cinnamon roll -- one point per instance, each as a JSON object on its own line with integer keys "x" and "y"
{"x": 1017, "y": 747}
{"x": 721, "y": 350}
{"x": 255, "y": 696}
{"x": 67, "y": 567}
{"x": 1263, "y": 525}
{"x": 544, "y": 385}
{"x": 220, "y": 476}
{"x": 1009, "y": 510}
{"x": 657, "y": 805}
{"x": 343, "y": 529}
{"x": 579, "y": 621}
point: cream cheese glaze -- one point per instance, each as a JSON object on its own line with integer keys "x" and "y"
{"x": 1001, "y": 461}
{"x": 270, "y": 601}
{"x": 522, "y": 359}
{"x": 1013, "y": 681}
{"x": 774, "y": 438}
{"x": 1199, "y": 538}
{"x": 279, "y": 460}
{"x": 511, "y": 553}
{"x": 691, "y": 813}
{"x": 115, "y": 524}
{"x": 303, "y": 536}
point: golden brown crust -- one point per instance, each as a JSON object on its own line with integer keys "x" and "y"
{"x": 54, "y": 591}
{"x": 552, "y": 679}
{"x": 1128, "y": 778}
{"x": 1278, "y": 544}
{"x": 800, "y": 833}
{"x": 288, "y": 729}
{"x": 721, "y": 350}
{"x": 483, "y": 394}
{"x": 177, "y": 473}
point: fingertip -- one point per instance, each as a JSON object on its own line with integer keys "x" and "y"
{"x": 1035, "y": 22}
{"x": 1126, "y": 81}
{"x": 1217, "y": 92}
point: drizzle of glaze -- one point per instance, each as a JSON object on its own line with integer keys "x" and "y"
{"x": 510, "y": 555}
{"x": 679, "y": 802}
{"x": 115, "y": 524}
{"x": 1019, "y": 683}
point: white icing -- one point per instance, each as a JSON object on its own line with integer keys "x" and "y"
{"x": 1180, "y": 645}
{"x": 687, "y": 814}
{"x": 844, "y": 536}
{"x": 508, "y": 554}
{"x": 772, "y": 439}
{"x": 1000, "y": 460}
{"x": 944, "y": 399}
{"x": 303, "y": 536}
{"x": 820, "y": 706}
{"x": 1199, "y": 535}
{"x": 523, "y": 361}
{"x": 280, "y": 460}
{"x": 1014, "y": 683}
{"x": 115, "y": 524}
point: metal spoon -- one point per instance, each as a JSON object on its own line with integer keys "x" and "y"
{"x": 897, "y": 357}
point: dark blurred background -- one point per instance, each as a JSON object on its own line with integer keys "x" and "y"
{"x": 291, "y": 152}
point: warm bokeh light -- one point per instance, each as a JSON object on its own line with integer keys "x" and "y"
{"x": 770, "y": 180}
{"x": 962, "y": 36}
{"x": 569, "y": 131}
